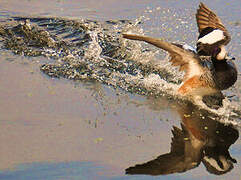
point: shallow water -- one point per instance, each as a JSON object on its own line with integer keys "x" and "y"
{"x": 55, "y": 128}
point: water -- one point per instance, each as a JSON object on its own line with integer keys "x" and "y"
{"x": 76, "y": 97}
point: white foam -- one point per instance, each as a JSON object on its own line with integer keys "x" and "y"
{"x": 154, "y": 82}
{"x": 94, "y": 49}
{"x": 212, "y": 37}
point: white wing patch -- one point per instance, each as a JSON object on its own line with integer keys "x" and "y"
{"x": 212, "y": 37}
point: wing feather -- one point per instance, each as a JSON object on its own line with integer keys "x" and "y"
{"x": 206, "y": 18}
{"x": 187, "y": 60}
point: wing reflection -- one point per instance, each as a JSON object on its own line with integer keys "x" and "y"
{"x": 200, "y": 139}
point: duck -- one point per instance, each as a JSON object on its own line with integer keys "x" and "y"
{"x": 209, "y": 68}
{"x": 197, "y": 140}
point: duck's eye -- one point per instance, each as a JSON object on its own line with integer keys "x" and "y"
{"x": 216, "y": 50}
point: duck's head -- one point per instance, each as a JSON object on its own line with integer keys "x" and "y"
{"x": 220, "y": 53}
{"x": 218, "y": 161}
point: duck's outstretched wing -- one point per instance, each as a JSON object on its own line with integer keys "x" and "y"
{"x": 210, "y": 27}
{"x": 168, "y": 163}
{"x": 164, "y": 164}
{"x": 188, "y": 61}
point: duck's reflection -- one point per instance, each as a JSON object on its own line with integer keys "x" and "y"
{"x": 200, "y": 139}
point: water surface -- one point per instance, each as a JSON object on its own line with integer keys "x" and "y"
{"x": 56, "y": 128}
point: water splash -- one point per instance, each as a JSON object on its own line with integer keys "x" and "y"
{"x": 90, "y": 50}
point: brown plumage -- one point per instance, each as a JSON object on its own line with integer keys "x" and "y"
{"x": 179, "y": 56}
{"x": 206, "y": 18}
{"x": 188, "y": 62}
{"x": 196, "y": 141}
{"x": 204, "y": 75}
{"x": 213, "y": 34}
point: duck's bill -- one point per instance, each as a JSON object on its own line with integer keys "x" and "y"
{"x": 229, "y": 57}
